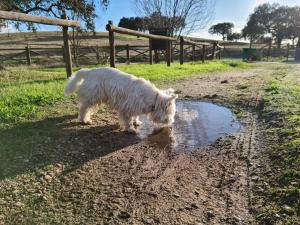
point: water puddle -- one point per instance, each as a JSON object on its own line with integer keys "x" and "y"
{"x": 197, "y": 124}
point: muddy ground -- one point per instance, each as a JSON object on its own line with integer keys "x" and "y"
{"x": 105, "y": 176}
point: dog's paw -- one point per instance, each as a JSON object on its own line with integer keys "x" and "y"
{"x": 87, "y": 122}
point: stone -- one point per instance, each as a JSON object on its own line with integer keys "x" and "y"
{"x": 47, "y": 177}
{"x": 124, "y": 215}
{"x": 224, "y": 82}
{"x": 210, "y": 214}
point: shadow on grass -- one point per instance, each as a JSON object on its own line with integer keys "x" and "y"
{"x": 32, "y": 146}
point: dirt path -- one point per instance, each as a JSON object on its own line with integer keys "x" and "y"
{"x": 121, "y": 180}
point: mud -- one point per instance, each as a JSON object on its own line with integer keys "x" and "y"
{"x": 197, "y": 124}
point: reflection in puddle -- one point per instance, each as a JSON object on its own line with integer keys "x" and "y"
{"x": 197, "y": 124}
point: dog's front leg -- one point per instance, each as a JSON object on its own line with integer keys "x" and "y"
{"x": 127, "y": 122}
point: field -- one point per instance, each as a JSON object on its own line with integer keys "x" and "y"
{"x": 54, "y": 170}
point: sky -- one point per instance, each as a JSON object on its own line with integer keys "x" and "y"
{"x": 235, "y": 11}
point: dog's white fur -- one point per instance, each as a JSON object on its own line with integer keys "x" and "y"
{"x": 129, "y": 95}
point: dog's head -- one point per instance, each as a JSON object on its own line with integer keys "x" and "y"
{"x": 164, "y": 107}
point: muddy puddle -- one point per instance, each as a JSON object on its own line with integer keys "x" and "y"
{"x": 197, "y": 124}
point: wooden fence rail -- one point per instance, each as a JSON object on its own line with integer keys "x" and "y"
{"x": 37, "y": 19}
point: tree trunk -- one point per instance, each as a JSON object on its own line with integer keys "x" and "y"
{"x": 251, "y": 42}
{"x": 293, "y": 42}
{"x": 279, "y": 40}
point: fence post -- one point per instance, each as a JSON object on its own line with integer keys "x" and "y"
{"x": 193, "y": 52}
{"x": 269, "y": 50}
{"x": 127, "y": 54}
{"x": 203, "y": 53}
{"x": 150, "y": 52}
{"x": 288, "y": 52}
{"x": 67, "y": 50}
{"x": 181, "y": 50}
{"x": 28, "y": 57}
{"x": 168, "y": 53}
{"x": 156, "y": 56}
{"x": 213, "y": 50}
{"x": 63, "y": 53}
{"x": 172, "y": 53}
{"x": 112, "y": 47}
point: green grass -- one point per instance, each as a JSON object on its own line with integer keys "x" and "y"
{"x": 282, "y": 97}
{"x": 161, "y": 72}
{"x": 27, "y": 92}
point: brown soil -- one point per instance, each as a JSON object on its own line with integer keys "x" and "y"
{"x": 115, "y": 178}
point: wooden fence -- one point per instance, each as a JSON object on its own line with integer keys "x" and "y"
{"x": 49, "y": 21}
{"x": 28, "y": 53}
{"x": 181, "y": 46}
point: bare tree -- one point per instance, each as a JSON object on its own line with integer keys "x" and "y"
{"x": 179, "y": 16}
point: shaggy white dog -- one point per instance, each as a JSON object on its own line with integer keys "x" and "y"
{"x": 129, "y": 95}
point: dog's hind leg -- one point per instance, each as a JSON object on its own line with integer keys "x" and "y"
{"x": 85, "y": 111}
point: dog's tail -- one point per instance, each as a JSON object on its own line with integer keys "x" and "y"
{"x": 75, "y": 81}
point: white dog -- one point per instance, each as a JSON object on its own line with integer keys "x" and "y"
{"x": 129, "y": 95}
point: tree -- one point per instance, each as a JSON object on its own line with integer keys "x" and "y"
{"x": 234, "y": 37}
{"x": 294, "y": 25}
{"x": 279, "y": 24}
{"x": 176, "y": 15}
{"x": 157, "y": 20}
{"x": 84, "y": 9}
{"x": 133, "y": 23}
{"x": 253, "y": 31}
{"x": 224, "y": 29}
{"x": 273, "y": 19}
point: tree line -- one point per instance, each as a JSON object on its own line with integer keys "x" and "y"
{"x": 272, "y": 22}
{"x": 269, "y": 23}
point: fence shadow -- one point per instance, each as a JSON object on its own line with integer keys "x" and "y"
{"x": 35, "y": 145}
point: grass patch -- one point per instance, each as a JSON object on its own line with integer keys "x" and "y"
{"x": 161, "y": 72}
{"x": 24, "y": 92}
{"x": 282, "y": 110}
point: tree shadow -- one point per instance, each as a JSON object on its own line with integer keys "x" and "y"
{"x": 31, "y": 146}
